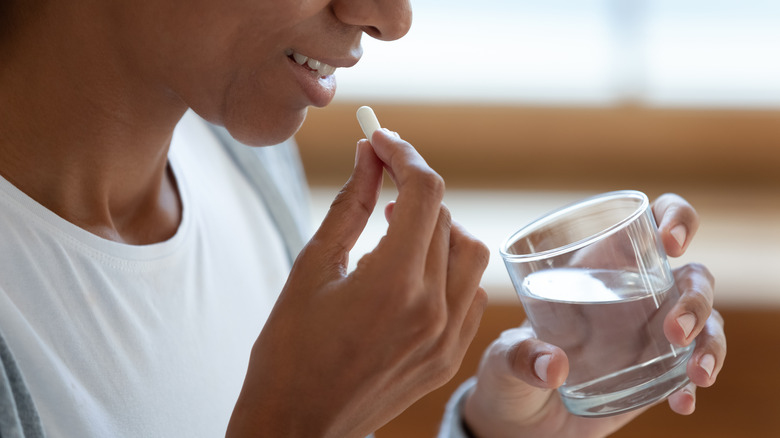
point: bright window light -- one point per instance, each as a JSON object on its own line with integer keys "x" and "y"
{"x": 578, "y": 52}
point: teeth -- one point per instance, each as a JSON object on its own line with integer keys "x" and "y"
{"x": 314, "y": 64}
{"x": 300, "y": 59}
{"x": 320, "y": 67}
{"x": 327, "y": 70}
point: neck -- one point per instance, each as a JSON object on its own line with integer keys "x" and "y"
{"x": 83, "y": 134}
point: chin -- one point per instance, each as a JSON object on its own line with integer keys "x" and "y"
{"x": 264, "y": 132}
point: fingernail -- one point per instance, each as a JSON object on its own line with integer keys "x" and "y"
{"x": 686, "y": 322}
{"x": 679, "y": 233}
{"x": 707, "y": 363}
{"x": 540, "y": 366}
{"x": 357, "y": 155}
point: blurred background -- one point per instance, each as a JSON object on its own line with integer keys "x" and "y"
{"x": 523, "y": 106}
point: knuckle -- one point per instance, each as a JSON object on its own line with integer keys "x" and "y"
{"x": 436, "y": 372}
{"x": 341, "y": 197}
{"x": 429, "y": 182}
{"x": 432, "y": 319}
{"x": 673, "y": 205}
{"x": 694, "y": 268}
{"x": 519, "y": 357}
{"x": 444, "y": 222}
{"x": 718, "y": 318}
{"x": 364, "y": 263}
{"x": 426, "y": 322}
{"x": 692, "y": 272}
{"x": 697, "y": 303}
{"x": 481, "y": 253}
{"x": 445, "y": 371}
{"x": 424, "y": 315}
{"x": 445, "y": 215}
{"x": 703, "y": 271}
{"x": 672, "y": 200}
{"x": 477, "y": 251}
{"x": 317, "y": 248}
{"x": 346, "y": 200}
{"x": 517, "y": 354}
{"x": 407, "y": 289}
{"x": 481, "y": 297}
{"x": 696, "y": 299}
{"x": 720, "y": 347}
{"x": 715, "y": 344}
{"x": 445, "y": 361}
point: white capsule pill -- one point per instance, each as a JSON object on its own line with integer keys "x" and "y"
{"x": 368, "y": 121}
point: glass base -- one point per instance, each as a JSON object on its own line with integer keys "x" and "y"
{"x": 592, "y": 400}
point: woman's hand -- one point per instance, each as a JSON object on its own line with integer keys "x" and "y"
{"x": 342, "y": 354}
{"x": 515, "y": 391}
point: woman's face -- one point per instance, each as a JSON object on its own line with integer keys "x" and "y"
{"x": 253, "y": 66}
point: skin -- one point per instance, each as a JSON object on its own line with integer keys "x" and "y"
{"x": 90, "y": 93}
{"x": 515, "y": 392}
{"x": 99, "y": 87}
{"x": 414, "y": 305}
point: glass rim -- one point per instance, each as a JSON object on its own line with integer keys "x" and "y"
{"x": 563, "y": 249}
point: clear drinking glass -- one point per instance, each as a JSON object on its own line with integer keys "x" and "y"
{"x": 594, "y": 280}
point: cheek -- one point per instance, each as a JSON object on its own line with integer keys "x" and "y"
{"x": 245, "y": 85}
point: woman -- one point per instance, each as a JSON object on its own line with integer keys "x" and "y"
{"x": 140, "y": 258}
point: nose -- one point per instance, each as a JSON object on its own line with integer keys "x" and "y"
{"x": 384, "y": 20}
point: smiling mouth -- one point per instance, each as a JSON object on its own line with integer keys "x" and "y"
{"x": 317, "y": 67}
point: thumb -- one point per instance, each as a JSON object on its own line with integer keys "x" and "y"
{"x": 350, "y": 210}
{"x": 538, "y": 363}
{"x": 517, "y": 377}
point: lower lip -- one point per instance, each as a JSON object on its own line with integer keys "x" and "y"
{"x": 319, "y": 90}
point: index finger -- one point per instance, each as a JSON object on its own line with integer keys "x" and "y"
{"x": 677, "y": 222}
{"x": 420, "y": 194}
{"x": 689, "y": 315}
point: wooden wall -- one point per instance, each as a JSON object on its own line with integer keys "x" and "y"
{"x": 533, "y": 147}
